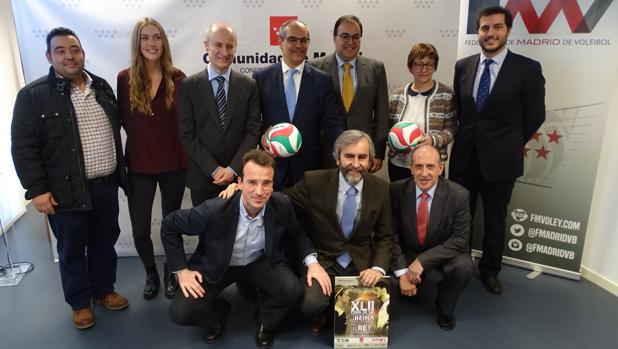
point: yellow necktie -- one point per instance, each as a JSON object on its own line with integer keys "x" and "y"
{"x": 348, "y": 86}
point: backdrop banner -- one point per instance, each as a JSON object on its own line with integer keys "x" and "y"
{"x": 575, "y": 42}
{"x": 104, "y": 28}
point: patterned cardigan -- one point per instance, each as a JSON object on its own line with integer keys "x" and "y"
{"x": 440, "y": 114}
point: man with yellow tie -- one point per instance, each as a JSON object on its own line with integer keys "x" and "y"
{"x": 361, "y": 82}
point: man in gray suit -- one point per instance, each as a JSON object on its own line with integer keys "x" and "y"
{"x": 431, "y": 217}
{"x": 219, "y": 117}
{"x": 361, "y": 83}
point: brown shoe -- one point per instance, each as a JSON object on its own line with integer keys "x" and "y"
{"x": 113, "y": 301}
{"x": 83, "y": 318}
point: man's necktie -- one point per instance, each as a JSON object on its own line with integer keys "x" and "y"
{"x": 421, "y": 219}
{"x": 348, "y": 215}
{"x": 348, "y": 86}
{"x": 483, "y": 91}
{"x": 221, "y": 100}
{"x": 290, "y": 93}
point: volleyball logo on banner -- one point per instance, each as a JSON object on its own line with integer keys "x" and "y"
{"x": 548, "y": 148}
{"x": 540, "y": 24}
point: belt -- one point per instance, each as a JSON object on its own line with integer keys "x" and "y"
{"x": 100, "y": 180}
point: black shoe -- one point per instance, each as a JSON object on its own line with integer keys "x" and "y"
{"x": 264, "y": 338}
{"x": 152, "y": 285}
{"x": 215, "y": 331}
{"x": 492, "y": 284}
{"x": 171, "y": 284}
{"x": 445, "y": 321}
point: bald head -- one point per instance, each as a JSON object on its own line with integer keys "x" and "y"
{"x": 427, "y": 150}
{"x": 426, "y": 166}
{"x": 218, "y": 27}
{"x": 220, "y": 44}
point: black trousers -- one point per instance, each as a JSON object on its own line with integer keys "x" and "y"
{"x": 279, "y": 290}
{"x": 143, "y": 189}
{"x": 495, "y": 197}
{"x": 85, "y": 247}
{"x": 396, "y": 173}
{"x": 451, "y": 278}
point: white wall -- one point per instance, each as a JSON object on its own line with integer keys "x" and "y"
{"x": 12, "y": 203}
{"x": 600, "y": 260}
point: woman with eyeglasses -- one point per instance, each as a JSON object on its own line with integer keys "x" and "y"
{"x": 147, "y": 95}
{"x": 427, "y": 103}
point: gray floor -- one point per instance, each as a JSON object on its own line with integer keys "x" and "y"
{"x": 548, "y": 312}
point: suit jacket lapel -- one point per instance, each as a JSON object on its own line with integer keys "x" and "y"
{"x": 232, "y": 213}
{"x": 331, "y": 67}
{"x": 361, "y": 76}
{"x": 366, "y": 200}
{"x": 503, "y": 79}
{"x": 269, "y": 228}
{"x": 471, "y": 70}
{"x": 329, "y": 191}
{"x": 307, "y": 87}
{"x": 438, "y": 203}
{"x": 233, "y": 93}
{"x": 408, "y": 204}
{"x": 278, "y": 85}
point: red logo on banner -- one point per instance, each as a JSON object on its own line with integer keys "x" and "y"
{"x": 572, "y": 12}
{"x": 275, "y": 23}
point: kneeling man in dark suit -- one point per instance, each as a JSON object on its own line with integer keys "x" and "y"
{"x": 239, "y": 240}
{"x": 432, "y": 220}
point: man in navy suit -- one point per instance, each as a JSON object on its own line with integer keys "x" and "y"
{"x": 239, "y": 240}
{"x": 295, "y": 92}
{"x": 500, "y": 98}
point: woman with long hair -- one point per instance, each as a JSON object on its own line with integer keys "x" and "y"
{"x": 147, "y": 93}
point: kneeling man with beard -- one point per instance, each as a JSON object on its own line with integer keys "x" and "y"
{"x": 346, "y": 214}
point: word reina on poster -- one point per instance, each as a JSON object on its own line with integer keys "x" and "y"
{"x": 361, "y": 313}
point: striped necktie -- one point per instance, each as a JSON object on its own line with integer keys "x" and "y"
{"x": 221, "y": 100}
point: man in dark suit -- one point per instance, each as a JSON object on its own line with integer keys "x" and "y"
{"x": 219, "y": 117}
{"x": 294, "y": 92}
{"x": 360, "y": 85}
{"x": 240, "y": 240}
{"x": 432, "y": 221}
{"x": 500, "y": 99}
{"x": 347, "y": 217}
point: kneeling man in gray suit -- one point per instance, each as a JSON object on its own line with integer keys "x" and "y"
{"x": 431, "y": 218}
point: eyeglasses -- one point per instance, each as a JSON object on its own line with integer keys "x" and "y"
{"x": 292, "y": 40}
{"x": 420, "y": 65}
{"x": 347, "y": 37}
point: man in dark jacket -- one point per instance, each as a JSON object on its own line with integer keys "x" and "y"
{"x": 68, "y": 156}
{"x": 239, "y": 240}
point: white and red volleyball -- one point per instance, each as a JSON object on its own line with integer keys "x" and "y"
{"x": 404, "y": 135}
{"x": 284, "y": 140}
